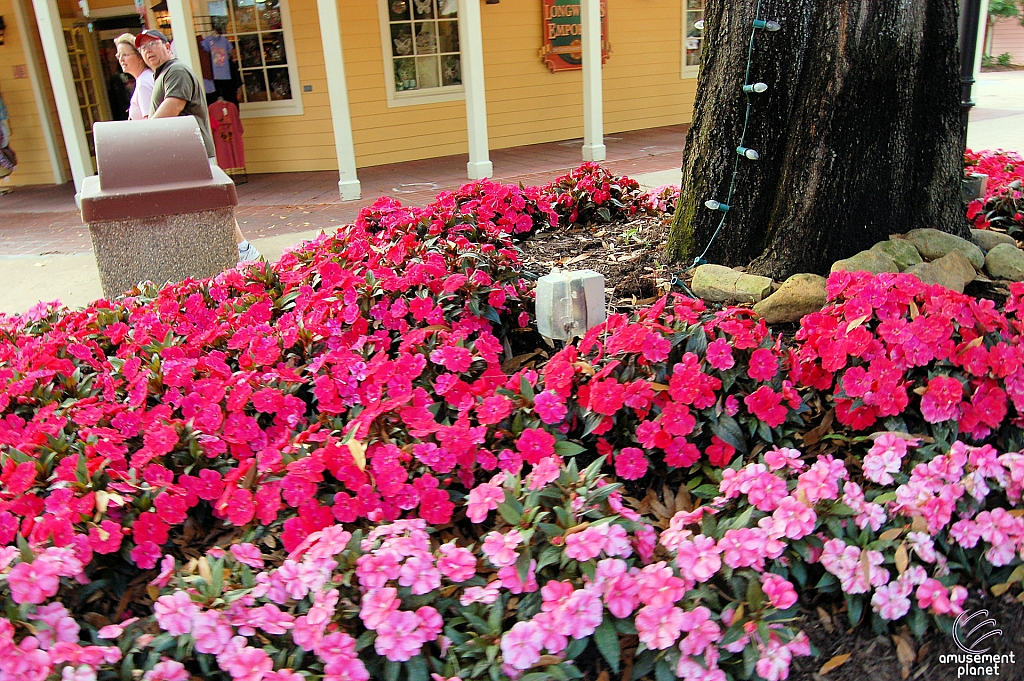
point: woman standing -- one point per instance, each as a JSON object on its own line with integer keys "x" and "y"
{"x": 131, "y": 62}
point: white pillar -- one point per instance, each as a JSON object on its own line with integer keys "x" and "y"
{"x": 183, "y": 28}
{"x": 472, "y": 43}
{"x": 51, "y": 33}
{"x": 337, "y": 91}
{"x": 593, "y": 108}
{"x": 26, "y": 31}
{"x": 982, "y": 25}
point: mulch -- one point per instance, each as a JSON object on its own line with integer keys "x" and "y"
{"x": 630, "y": 256}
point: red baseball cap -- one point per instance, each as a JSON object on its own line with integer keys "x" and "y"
{"x": 149, "y": 35}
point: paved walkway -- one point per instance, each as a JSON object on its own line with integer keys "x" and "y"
{"x": 45, "y": 253}
{"x": 43, "y": 220}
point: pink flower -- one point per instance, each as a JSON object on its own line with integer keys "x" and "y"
{"x": 743, "y": 547}
{"x": 793, "y": 519}
{"x": 483, "y": 498}
{"x": 453, "y": 358}
{"x": 941, "y": 400}
{"x": 773, "y": 665}
{"x": 246, "y": 664}
{"x": 481, "y": 594}
{"x": 175, "y": 613}
{"x": 779, "y": 591}
{"x": 535, "y": 444}
{"x": 719, "y": 355}
{"x": 702, "y": 631}
{"x": 248, "y": 554}
{"x": 500, "y": 548}
{"x": 890, "y": 600}
{"x": 621, "y": 595}
{"x": 544, "y": 473}
{"x": 521, "y": 645}
{"x": 419, "y": 574}
{"x": 550, "y": 407}
{"x": 167, "y": 670}
{"x": 34, "y": 582}
{"x": 763, "y": 365}
{"x": 377, "y": 605}
{"x": 884, "y": 458}
{"x": 396, "y": 636}
{"x": 631, "y": 464}
{"x": 211, "y": 632}
{"x": 659, "y": 627}
{"x": 784, "y": 457}
{"x": 456, "y": 563}
{"x": 699, "y": 559}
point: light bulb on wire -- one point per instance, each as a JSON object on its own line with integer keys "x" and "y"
{"x": 756, "y": 87}
{"x": 767, "y": 25}
{"x": 715, "y": 205}
{"x": 749, "y": 153}
{"x": 699, "y": 25}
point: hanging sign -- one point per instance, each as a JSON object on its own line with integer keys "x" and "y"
{"x": 562, "y": 48}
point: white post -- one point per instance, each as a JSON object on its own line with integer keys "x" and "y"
{"x": 49, "y": 135}
{"x": 337, "y": 91}
{"x": 183, "y": 28}
{"x": 470, "y": 37}
{"x": 51, "y": 33}
{"x": 593, "y": 109}
{"x": 982, "y": 26}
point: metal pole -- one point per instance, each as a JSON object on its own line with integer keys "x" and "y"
{"x": 970, "y": 16}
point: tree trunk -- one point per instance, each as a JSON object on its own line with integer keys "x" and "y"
{"x": 858, "y": 132}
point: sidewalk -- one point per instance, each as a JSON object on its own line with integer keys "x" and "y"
{"x": 45, "y": 252}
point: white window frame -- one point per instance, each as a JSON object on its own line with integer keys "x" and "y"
{"x": 293, "y": 106}
{"x": 690, "y": 71}
{"x": 445, "y": 93}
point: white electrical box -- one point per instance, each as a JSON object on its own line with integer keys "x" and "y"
{"x": 569, "y": 303}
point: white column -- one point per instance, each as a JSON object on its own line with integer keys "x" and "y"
{"x": 337, "y": 91}
{"x": 51, "y": 33}
{"x": 26, "y": 31}
{"x": 471, "y": 40}
{"x": 982, "y": 25}
{"x": 593, "y": 108}
{"x": 183, "y": 28}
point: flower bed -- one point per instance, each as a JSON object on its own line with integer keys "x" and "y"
{"x": 1002, "y": 205}
{"x": 326, "y": 468}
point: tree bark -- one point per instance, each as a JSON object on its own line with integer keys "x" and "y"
{"x": 858, "y": 133}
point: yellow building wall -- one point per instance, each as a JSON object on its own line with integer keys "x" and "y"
{"x": 526, "y": 104}
{"x": 27, "y": 136}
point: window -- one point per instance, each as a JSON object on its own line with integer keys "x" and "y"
{"x": 261, "y": 40}
{"x": 422, "y": 62}
{"x": 693, "y": 37}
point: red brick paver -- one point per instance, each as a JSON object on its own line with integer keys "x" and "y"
{"x": 42, "y": 220}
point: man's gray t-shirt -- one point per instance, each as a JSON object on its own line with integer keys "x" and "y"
{"x": 174, "y": 79}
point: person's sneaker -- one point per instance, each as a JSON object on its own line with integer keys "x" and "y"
{"x": 248, "y": 253}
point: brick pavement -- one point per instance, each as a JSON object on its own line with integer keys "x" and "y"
{"x": 44, "y": 220}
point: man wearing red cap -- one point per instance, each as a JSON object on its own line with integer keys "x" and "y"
{"x": 177, "y": 92}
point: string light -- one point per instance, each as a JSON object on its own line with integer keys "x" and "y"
{"x": 748, "y": 89}
{"x": 749, "y": 153}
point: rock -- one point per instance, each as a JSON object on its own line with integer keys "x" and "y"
{"x": 1005, "y": 261}
{"x": 933, "y": 244}
{"x": 866, "y": 261}
{"x": 721, "y": 284}
{"x": 902, "y": 252}
{"x": 986, "y": 239}
{"x": 799, "y": 295}
{"x": 954, "y": 271}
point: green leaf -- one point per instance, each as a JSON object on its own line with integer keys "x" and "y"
{"x": 755, "y": 596}
{"x": 697, "y": 343}
{"x": 854, "y": 609}
{"x": 576, "y": 648}
{"x": 495, "y": 616}
{"x": 26, "y": 551}
{"x": 511, "y": 515}
{"x": 607, "y": 641}
{"x": 642, "y": 665}
{"x": 523, "y": 564}
{"x": 391, "y": 670}
{"x": 525, "y": 388}
{"x": 591, "y": 421}
{"x": 729, "y": 431}
{"x": 663, "y": 671}
{"x": 416, "y": 669}
{"x": 706, "y": 491}
{"x": 567, "y": 448}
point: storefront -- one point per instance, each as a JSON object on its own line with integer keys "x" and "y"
{"x": 346, "y": 84}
